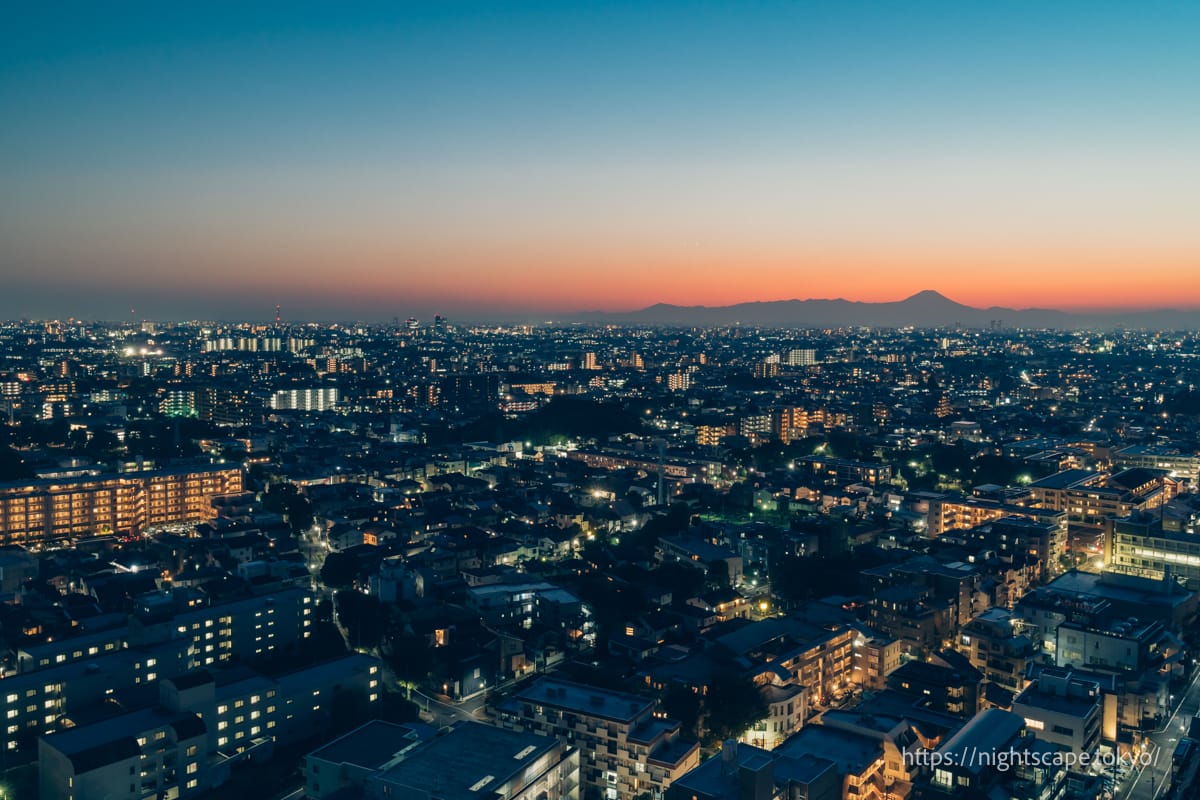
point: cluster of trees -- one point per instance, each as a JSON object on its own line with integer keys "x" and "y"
{"x": 286, "y": 499}
{"x": 561, "y": 419}
{"x": 797, "y": 579}
{"x": 731, "y": 704}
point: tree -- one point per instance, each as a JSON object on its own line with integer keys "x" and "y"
{"x": 12, "y": 466}
{"x": 410, "y": 657}
{"x": 286, "y": 499}
{"x": 684, "y": 581}
{"x": 733, "y": 704}
{"x": 683, "y": 704}
{"x": 339, "y": 570}
{"x": 362, "y": 616}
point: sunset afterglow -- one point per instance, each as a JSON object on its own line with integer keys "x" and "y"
{"x": 550, "y": 158}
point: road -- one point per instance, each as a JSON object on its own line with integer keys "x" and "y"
{"x": 1153, "y": 781}
{"x": 449, "y": 713}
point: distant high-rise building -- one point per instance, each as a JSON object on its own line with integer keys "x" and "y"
{"x": 322, "y": 398}
{"x": 469, "y": 391}
{"x": 679, "y": 381}
{"x": 802, "y": 357}
{"x": 178, "y": 403}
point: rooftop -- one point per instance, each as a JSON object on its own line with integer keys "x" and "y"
{"x": 371, "y": 745}
{"x": 852, "y": 752}
{"x": 989, "y": 732}
{"x": 586, "y": 700}
{"x": 1067, "y": 479}
{"x": 472, "y": 761}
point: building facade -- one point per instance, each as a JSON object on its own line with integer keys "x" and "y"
{"x": 626, "y": 748}
{"x": 57, "y": 510}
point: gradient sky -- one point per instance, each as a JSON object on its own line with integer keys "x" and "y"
{"x": 211, "y": 160}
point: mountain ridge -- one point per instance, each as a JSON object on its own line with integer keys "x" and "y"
{"x": 927, "y": 308}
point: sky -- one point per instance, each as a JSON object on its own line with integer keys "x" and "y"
{"x": 485, "y": 159}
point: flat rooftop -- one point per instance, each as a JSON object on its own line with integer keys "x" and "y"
{"x": 472, "y": 761}
{"x": 371, "y": 745}
{"x": 586, "y": 700}
{"x": 1067, "y": 479}
{"x": 852, "y": 752}
{"x": 1131, "y": 589}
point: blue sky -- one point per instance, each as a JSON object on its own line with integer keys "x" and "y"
{"x": 198, "y": 159}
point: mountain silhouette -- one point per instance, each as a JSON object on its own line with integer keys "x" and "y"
{"x": 925, "y": 309}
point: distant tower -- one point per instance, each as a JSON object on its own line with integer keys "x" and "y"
{"x": 277, "y": 314}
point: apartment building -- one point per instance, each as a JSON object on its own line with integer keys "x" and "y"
{"x": 993, "y": 646}
{"x": 874, "y": 658}
{"x": 187, "y": 741}
{"x": 148, "y": 753}
{"x": 626, "y": 747}
{"x": 249, "y": 628}
{"x": 1137, "y": 544}
{"x": 56, "y": 510}
{"x": 744, "y": 772}
{"x": 348, "y": 762}
{"x": 1020, "y": 538}
{"x": 991, "y": 752}
{"x": 1177, "y": 464}
{"x": 956, "y": 512}
{"x": 1063, "y": 709}
{"x": 843, "y": 471}
{"x": 1130, "y": 646}
{"x": 476, "y": 760}
{"x": 1089, "y": 498}
{"x": 787, "y": 709}
{"x": 63, "y": 677}
{"x": 817, "y": 658}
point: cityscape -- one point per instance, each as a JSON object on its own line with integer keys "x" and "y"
{"x": 597, "y": 561}
{"x": 600, "y": 401}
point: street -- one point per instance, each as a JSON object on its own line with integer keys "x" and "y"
{"x": 1152, "y": 781}
{"x": 449, "y": 713}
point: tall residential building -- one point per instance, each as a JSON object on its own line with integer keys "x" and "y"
{"x": 162, "y": 638}
{"x": 54, "y": 510}
{"x": 200, "y": 728}
{"x": 477, "y": 760}
{"x": 1138, "y": 545}
{"x": 801, "y": 357}
{"x": 321, "y": 398}
{"x": 679, "y": 381}
{"x": 626, "y": 749}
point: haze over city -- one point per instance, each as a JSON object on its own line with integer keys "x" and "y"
{"x": 479, "y": 159}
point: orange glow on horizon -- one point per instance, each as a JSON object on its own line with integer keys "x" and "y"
{"x": 625, "y": 276}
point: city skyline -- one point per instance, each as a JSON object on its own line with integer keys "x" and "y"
{"x": 539, "y": 159}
